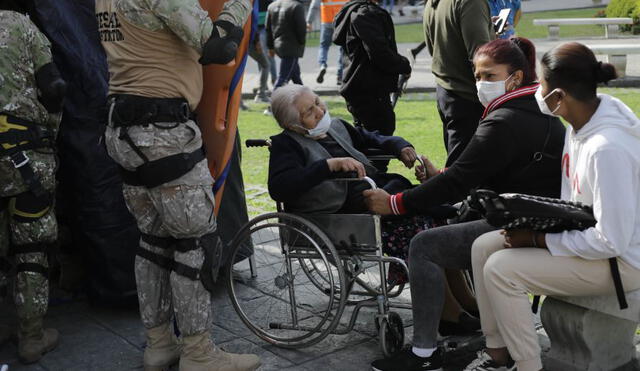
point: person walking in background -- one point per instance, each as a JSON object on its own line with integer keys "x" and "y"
{"x": 388, "y": 5}
{"x": 262, "y": 30}
{"x": 258, "y": 51}
{"x": 328, "y": 11}
{"x": 454, "y": 29}
{"x": 286, "y": 37}
{"x": 373, "y": 65}
{"x": 514, "y": 16}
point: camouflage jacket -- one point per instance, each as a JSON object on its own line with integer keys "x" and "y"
{"x": 23, "y": 51}
{"x": 185, "y": 18}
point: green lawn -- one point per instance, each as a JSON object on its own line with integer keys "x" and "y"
{"x": 413, "y": 33}
{"x": 417, "y": 121}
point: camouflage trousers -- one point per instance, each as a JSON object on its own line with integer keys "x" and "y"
{"x": 182, "y": 208}
{"x": 31, "y": 289}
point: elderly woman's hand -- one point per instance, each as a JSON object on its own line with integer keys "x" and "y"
{"x": 377, "y": 201}
{"x": 346, "y": 164}
{"x": 408, "y": 156}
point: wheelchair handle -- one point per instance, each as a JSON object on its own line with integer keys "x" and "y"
{"x": 419, "y": 159}
{"x": 371, "y": 182}
{"x": 258, "y": 142}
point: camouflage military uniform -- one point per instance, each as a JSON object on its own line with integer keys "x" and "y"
{"x": 181, "y": 208}
{"x": 24, "y": 51}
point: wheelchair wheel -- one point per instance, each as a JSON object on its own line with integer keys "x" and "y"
{"x": 391, "y": 334}
{"x": 278, "y": 302}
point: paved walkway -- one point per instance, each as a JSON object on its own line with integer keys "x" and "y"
{"x": 421, "y": 78}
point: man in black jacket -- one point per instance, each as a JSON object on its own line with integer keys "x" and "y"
{"x": 366, "y": 33}
{"x": 286, "y": 35}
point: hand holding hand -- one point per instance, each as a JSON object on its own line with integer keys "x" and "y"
{"x": 346, "y": 164}
{"x": 377, "y": 200}
{"x": 272, "y": 53}
{"x": 408, "y": 156}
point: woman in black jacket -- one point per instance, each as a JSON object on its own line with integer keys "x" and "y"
{"x": 516, "y": 148}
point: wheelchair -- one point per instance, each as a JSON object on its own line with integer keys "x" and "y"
{"x": 293, "y": 275}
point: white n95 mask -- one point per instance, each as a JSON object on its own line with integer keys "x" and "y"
{"x": 542, "y": 102}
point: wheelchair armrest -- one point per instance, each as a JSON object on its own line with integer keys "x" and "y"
{"x": 374, "y": 154}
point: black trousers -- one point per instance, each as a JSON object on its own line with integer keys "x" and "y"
{"x": 460, "y": 118}
{"x": 373, "y": 113}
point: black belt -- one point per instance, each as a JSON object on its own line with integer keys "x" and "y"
{"x": 132, "y": 110}
{"x": 33, "y": 136}
{"x": 155, "y": 173}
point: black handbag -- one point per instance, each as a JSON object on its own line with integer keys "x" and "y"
{"x": 511, "y": 211}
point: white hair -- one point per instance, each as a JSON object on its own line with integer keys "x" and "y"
{"x": 283, "y": 105}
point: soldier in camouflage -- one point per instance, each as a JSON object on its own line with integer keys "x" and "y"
{"x": 155, "y": 52}
{"x": 31, "y": 92}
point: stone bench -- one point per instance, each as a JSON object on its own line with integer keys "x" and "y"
{"x": 611, "y": 25}
{"x": 590, "y": 333}
{"x": 413, "y": 10}
{"x": 617, "y": 54}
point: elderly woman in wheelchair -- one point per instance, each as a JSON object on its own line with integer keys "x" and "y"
{"x": 324, "y": 229}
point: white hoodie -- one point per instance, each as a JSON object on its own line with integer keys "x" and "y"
{"x": 601, "y": 167}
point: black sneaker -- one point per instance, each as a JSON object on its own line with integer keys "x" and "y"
{"x": 320, "y": 78}
{"x": 406, "y": 360}
{"x": 484, "y": 362}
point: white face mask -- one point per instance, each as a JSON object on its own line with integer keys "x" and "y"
{"x": 542, "y": 102}
{"x": 488, "y": 91}
{"x": 323, "y": 126}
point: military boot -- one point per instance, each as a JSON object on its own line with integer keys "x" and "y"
{"x": 199, "y": 354}
{"x": 163, "y": 349}
{"x": 34, "y": 341}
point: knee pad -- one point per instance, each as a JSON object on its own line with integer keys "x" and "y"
{"x": 27, "y": 207}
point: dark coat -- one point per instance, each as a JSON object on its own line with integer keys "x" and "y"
{"x": 290, "y": 174}
{"x": 366, "y": 33}
{"x": 500, "y": 157}
{"x": 286, "y": 28}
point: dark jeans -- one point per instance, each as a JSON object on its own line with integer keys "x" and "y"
{"x": 460, "y": 118}
{"x": 289, "y": 70}
{"x": 431, "y": 251}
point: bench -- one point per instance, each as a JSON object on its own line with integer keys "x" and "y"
{"x": 413, "y": 10}
{"x": 590, "y": 333}
{"x": 616, "y": 54}
{"x": 611, "y": 25}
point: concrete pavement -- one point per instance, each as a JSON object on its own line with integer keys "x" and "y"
{"x": 422, "y": 79}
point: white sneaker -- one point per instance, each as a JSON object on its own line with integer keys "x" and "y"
{"x": 484, "y": 362}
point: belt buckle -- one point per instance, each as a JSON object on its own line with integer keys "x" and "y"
{"x": 19, "y": 159}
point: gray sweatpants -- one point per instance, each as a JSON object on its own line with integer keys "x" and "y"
{"x": 431, "y": 251}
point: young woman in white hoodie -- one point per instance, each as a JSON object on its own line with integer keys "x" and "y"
{"x": 600, "y": 167}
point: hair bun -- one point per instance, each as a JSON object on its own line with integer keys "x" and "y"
{"x": 605, "y": 72}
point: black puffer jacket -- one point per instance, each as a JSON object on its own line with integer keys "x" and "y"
{"x": 286, "y": 28}
{"x": 501, "y": 156}
{"x": 366, "y": 33}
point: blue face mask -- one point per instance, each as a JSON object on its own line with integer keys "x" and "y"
{"x": 322, "y": 128}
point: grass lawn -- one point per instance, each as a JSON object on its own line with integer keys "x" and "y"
{"x": 413, "y": 32}
{"x": 417, "y": 121}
